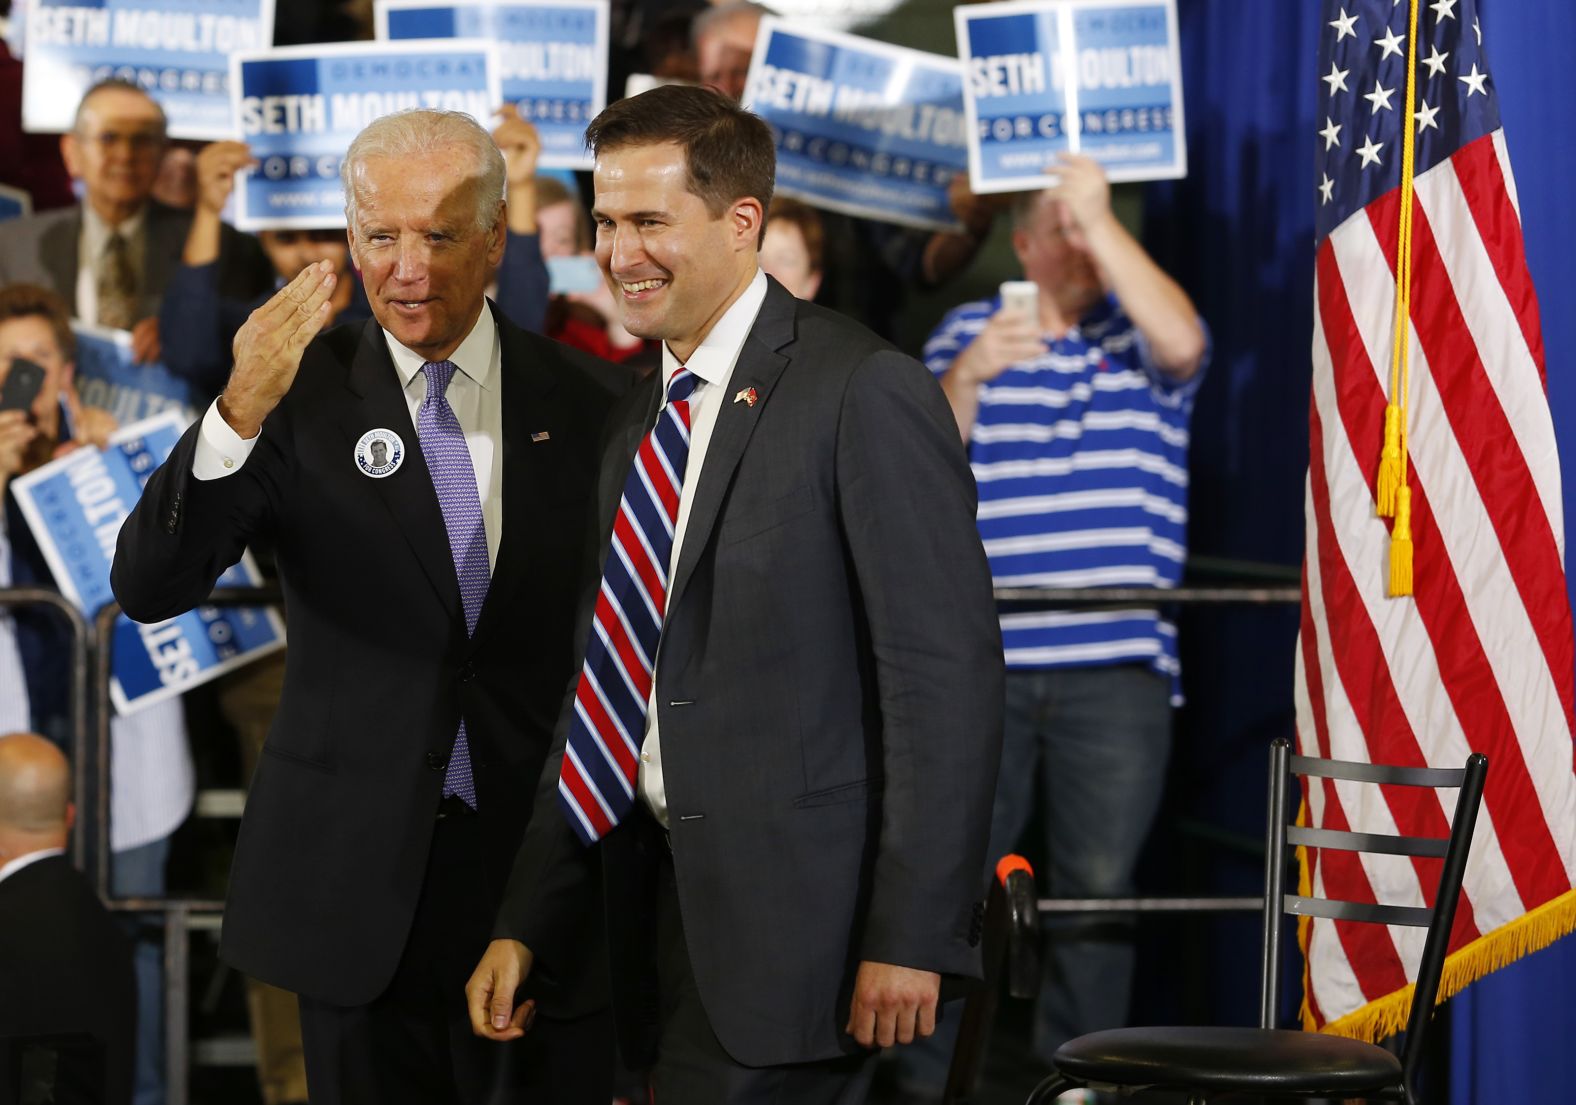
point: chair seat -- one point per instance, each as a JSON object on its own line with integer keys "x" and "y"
{"x": 1266, "y": 1060}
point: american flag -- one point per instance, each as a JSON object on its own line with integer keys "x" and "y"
{"x": 1480, "y": 658}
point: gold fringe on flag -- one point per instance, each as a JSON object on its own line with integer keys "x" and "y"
{"x": 1387, "y": 1015}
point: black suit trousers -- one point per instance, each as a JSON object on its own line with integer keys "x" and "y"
{"x": 413, "y": 1045}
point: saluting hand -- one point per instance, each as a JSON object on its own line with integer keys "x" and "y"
{"x": 268, "y": 348}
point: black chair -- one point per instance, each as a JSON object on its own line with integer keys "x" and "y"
{"x": 1271, "y": 1062}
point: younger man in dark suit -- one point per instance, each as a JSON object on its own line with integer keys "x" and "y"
{"x": 789, "y": 801}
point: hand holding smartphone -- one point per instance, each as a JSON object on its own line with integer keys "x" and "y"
{"x": 22, "y": 385}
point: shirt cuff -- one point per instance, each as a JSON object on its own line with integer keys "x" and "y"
{"x": 220, "y": 450}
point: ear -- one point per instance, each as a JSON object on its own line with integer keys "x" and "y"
{"x": 498, "y": 236}
{"x": 71, "y": 154}
{"x": 1020, "y": 245}
{"x": 746, "y": 217}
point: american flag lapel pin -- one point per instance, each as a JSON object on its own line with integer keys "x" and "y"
{"x": 746, "y": 396}
{"x": 539, "y": 436}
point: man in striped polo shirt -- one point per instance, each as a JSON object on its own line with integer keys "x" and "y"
{"x": 1077, "y": 428}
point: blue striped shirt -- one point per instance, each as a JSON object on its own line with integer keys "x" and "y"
{"x": 1081, "y": 460}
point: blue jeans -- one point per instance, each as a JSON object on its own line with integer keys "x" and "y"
{"x": 1094, "y": 743}
{"x": 139, "y": 873}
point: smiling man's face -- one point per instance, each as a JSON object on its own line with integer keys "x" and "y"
{"x": 674, "y": 267}
{"x": 423, "y": 259}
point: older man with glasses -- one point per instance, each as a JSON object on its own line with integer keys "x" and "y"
{"x": 111, "y": 256}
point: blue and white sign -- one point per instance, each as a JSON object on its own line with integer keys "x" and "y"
{"x": 75, "y": 506}
{"x": 1098, "y": 77}
{"x": 552, "y": 59}
{"x": 177, "y": 50}
{"x": 298, "y": 108}
{"x": 14, "y": 203}
{"x": 862, "y": 127}
{"x": 107, "y": 377}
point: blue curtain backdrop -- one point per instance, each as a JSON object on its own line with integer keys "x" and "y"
{"x": 1238, "y": 232}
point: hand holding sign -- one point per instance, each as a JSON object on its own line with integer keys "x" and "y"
{"x": 217, "y": 165}
{"x": 1086, "y": 196}
{"x": 268, "y": 348}
{"x": 521, "y": 146}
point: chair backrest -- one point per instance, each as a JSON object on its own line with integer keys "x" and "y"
{"x": 1284, "y": 833}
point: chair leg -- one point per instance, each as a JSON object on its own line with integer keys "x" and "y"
{"x": 1054, "y": 1085}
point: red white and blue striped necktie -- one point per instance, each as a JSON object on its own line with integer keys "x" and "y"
{"x": 596, "y": 785}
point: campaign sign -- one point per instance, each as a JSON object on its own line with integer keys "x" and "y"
{"x": 861, "y": 127}
{"x": 298, "y": 107}
{"x": 178, "y": 51}
{"x": 14, "y": 202}
{"x": 552, "y": 59}
{"x": 1097, "y": 77}
{"x": 108, "y": 377}
{"x": 75, "y": 507}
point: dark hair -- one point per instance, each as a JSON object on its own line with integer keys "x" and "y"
{"x": 729, "y": 152}
{"x": 808, "y": 221}
{"x": 32, "y": 301}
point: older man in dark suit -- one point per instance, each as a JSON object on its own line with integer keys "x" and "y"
{"x": 421, "y": 684}
{"x": 790, "y": 799}
{"x": 66, "y": 983}
{"x": 110, "y": 257}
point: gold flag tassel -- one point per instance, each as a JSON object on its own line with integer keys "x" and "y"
{"x": 1392, "y": 496}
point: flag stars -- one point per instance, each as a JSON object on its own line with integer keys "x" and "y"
{"x": 1474, "y": 81}
{"x": 1435, "y": 62}
{"x": 1326, "y": 188}
{"x": 1379, "y": 98}
{"x": 1343, "y": 26}
{"x": 1331, "y": 133}
{"x": 1369, "y": 152}
{"x": 1390, "y": 44}
{"x": 1336, "y": 79}
{"x": 1425, "y": 118}
{"x": 1444, "y": 9}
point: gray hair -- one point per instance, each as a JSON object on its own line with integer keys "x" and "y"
{"x": 419, "y": 132}
{"x": 718, "y": 15}
{"x": 115, "y": 84}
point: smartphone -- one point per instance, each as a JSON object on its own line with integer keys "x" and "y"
{"x": 1021, "y": 296}
{"x": 573, "y": 274}
{"x": 22, "y": 385}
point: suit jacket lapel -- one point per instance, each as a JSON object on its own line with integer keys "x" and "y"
{"x": 408, "y": 491}
{"x": 759, "y": 366}
{"x": 59, "y": 248}
{"x": 528, "y": 466}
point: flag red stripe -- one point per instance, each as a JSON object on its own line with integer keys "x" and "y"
{"x": 584, "y": 798}
{"x": 1463, "y": 666}
{"x": 604, "y": 728}
{"x": 1357, "y": 661}
{"x": 1484, "y": 436}
{"x": 1483, "y": 183}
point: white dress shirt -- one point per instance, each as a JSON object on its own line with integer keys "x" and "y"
{"x": 90, "y": 247}
{"x": 712, "y": 362}
{"x": 475, "y": 393}
{"x": 28, "y": 860}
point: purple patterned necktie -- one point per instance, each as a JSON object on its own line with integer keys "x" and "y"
{"x": 453, "y": 478}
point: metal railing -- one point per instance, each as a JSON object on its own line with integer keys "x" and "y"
{"x": 182, "y": 915}
{"x": 76, "y": 701}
